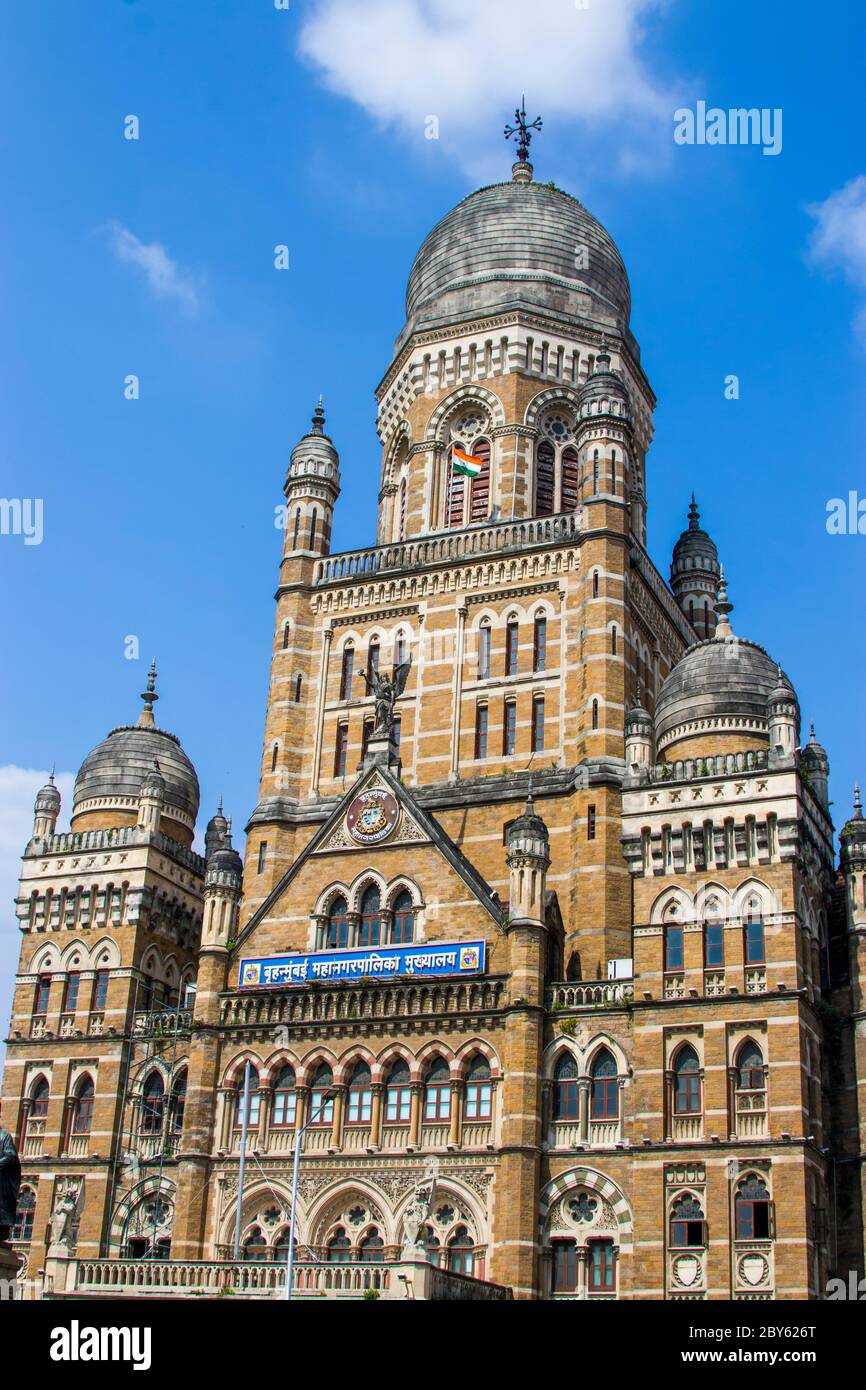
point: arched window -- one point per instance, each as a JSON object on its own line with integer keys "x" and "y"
{"x": 403, "y": 929}
{"x": 570, "y": 480}
{"x": 286, "y": 631}
{"x": 254, "y": 1100}
{"x": 595, "y": 470}
{"x": 297, "y": 528}
{"x": 43, "y": 992}
{"x": 280, "y": 1246}
{"x": 321, "y": 1097}
{"x": 751, "y": 1075}
{"x": 753, "y": 935}
{"x": 339, "y": 1247}
{"x": 299, "y": 680}
{"x": 601, "y": 1267}
{"x": 613, "y": 641}
{"x": 484, "y": 651}
{"x": 437, "y": 1091}
{"x": 755, "y": 1216}
{"x": 369, "y": 930}
{"x": 479, "y": 497}
{"x": 605, "y": 1086}
{"x": 346, "y": 672}
{"x": 512, "y": 640}
{"x": 274, "y": 754}
{"x": 82, "y": 1107}
{"x": 22, "y": 1230}
{"x": 545, "y": 478}
{"x": 537, "y": 726}
{"x": 71, "y": 992}
{"x": 254, "y": 1246}
{"x": 687, "y": 1222}
{"x": 481, "y": 725}
{"x": 432, "y": 1245}
{"x": 595, "y": 714}
{"x": 565, "y": 1088}
{"x": 401, "y": 524}
{"x": 400, "y": 649}
{"x": 177, "y": 1103}
{"x": 372, "y": 661}
{"x": 338, "y": 924}
{"x": 479, "y": 1089}
{"x": 371, "y": 1247}
{"x": 613, "y": 471}
{"x": 313, "y": 528}
{"x": 39, "y": 1097}
{"x": 714, "y": 938}
{"x": 595, "y": 583}
{"x": 285, "y": 1102}
{"x": 153, "y": 1104}
{"x": 360, "y": 1108}
{"x": 539, "y": 643}
{"x": 398, "y": 1095}
{"x": 687, "y": 1082}
{"x": 674, "y": 957}
{"x": 461, "y": 1258}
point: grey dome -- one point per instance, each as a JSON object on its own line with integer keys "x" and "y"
{"x": 314, "y": 455}
{"x": 516, "y": 243}
{"x": 717, "y": 681}
{"x": 695, "y": 549}
{"x": 117, "y": 767}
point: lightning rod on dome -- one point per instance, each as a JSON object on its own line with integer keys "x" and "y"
{"x": 521, "y": 131}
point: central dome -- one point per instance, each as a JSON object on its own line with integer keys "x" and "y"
{"x": 517, "y": 244}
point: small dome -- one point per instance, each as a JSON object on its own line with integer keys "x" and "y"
{"x": 111, "y": 776}
{"x": 216, "y": 833}
{"x": 153, "y": 782}
{"x": 722, "y": 684}
{"x": 48, "y": 797}
{"x": 814, "y": 755}
{"x": 314, "y": 456}
{"x": 638, "y": 719}
{"x": 604, "y": 384}
{"x": 529, "y": 830}
{"x": 695, "y": 549}
{"x": 515, "y": 244}
{"x": 226, "y": 860}
{"x": 852, "y": 839}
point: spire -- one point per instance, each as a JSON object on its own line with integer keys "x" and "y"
{"x": 858, "y": 809}
{"x": 521, "y": 132}
{"x": 149, "y": 696}
{"x": 723, "y": 607}
{"x": 694, "y": 515}
{"x": 319, "y": 417}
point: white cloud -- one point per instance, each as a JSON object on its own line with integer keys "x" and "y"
{"x": 467, "y": 63}
{"x": 18, "y": 788}
{"x": 838, "y": 241}
{"x": 165, "y": 277}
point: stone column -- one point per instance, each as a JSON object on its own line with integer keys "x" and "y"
{"x": 337, "y": 1124}
{"x": 378, "y": 1091}
{"x": 583, "y": 1088}
{"x": 416, "y": 1093}
{"x": 456, "y": 1114}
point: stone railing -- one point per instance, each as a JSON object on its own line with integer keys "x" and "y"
{"x": 342, "y": 1004}
{"x": 394, "y": 1278}
{"x": 162, "y": 1023}
{"x": 77, "y": 841}
{"x": 471, "y": 543}
{"x": 589, "y": 994}
{"x": 720, "y": 765}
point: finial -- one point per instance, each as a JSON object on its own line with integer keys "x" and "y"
{"x": 149, "y": 696}
{"x": 812, "y": 738}
{"x": 51, "y": 775}
{"x": 530, "y": 801}
{"x": 858, "y": 809}
{"x": 694, "y": 514}
{"x": 220, "y": 805}
{"x": 723, "y": 607}
{"x": 319, "y": 417}
{"x": 521, "y": 131}
{"x": 603, "y": 351}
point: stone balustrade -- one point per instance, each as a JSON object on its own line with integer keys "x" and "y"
{"x": 592, "y": 994}
{"x": 341, "y": 1004}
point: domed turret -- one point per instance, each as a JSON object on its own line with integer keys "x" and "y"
{"x": 46, "y": 810}
{"x": 312, "y": 487}
{"x": 719, "y": 694}
{"x": 695, "y": 574}
{"x": 109, "y": 781}
{"x": 852, "y": 863}
{"x": 783, "y": 717}
{"x": 638, "y": 738}
{"x": 223, "y": 883}
{"x": 216, "y": 832}
{"x": 815, "y": 768}
{"x": 528, "y": 861}
{"x": 151, "y": 799}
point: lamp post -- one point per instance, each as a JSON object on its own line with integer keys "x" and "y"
{"x": 299, "y": 1139}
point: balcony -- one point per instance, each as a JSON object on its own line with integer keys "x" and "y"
{"x": 34, "y": 1139}
{"x": 470, "y": 543}
{"x": 590, "y": 994}
{"x": 78, "y": 1146}
{"x": 341, "y": 1004}
{"x": 751, "y": 1115}
{"x": 162, "y": 1023}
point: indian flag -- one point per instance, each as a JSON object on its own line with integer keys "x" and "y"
{"x": 465, "y": 465}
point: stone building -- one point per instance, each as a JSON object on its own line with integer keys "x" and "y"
{"x": 543, "y": 944}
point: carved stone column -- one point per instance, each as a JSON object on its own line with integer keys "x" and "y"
{"x": 378, "y": 1090}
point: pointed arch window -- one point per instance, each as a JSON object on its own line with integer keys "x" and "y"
{"x": 539, "y": 643}
{"x": 605, "y": 1086}
{"x": 479, "y": 1089}
{"x": 346, "y": 670}
{"x": 254, "y": 1247}
{"x": 153, "y": 1104}
{"x": 595, "y": 470}
{"x": 82, "y": 1107}
{"x": 369, "y": 931}
{"x": 22, "y": 1230}
{"x": 595, "y": 714}
{"x": 360, "y": 1096}
{"x": 754, "y": 951}
{"x": 512, "y": 642}
{"x": 565, "y": 1094}
{"x": 313, "y": 524}
{"x": 714, "y": 938}
{"x": 285, "y": 1102}
{"x": 545, "y": 478}
{"x": 401, "y": 525}
{"x": 297, "y": 528}
{"x": 338, "y": 924}
{"x": 177, "y": 1103}
{"x": 39, "y": 1097}
{"x": 403, "y": 929}
{"x": 339, "y": 1247}
{"x": 687, "y": 1082}
{"x": 613, "y": 471}
{"x": 437, "y": 1091}
{"x": 570, "y": 480}
{"x": 299, "y": 681}
{"x": 461, "y": 1252}
{"x": 751, "y": 1074}
{"x": 688, "y": 1228}
{"x": 754, "y": 1212}
{"x": 484, "y": 651}
{"x": 371, "y": 1247}
{"x": 372, "y": 661}
{"x": 286, "y": 631}
{"x": 398, "y": 1094}
{"x": 479, "y": 497}
{"x": 321, "y": 1097}
{"x": 255, "y": 1099}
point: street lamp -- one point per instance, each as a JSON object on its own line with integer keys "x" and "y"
{"x": 299, "y": 1139}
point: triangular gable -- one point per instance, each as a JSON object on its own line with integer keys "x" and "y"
{"x": 415, "y": 826}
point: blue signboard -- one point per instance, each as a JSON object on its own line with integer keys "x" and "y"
{"x": 377, "y": 963}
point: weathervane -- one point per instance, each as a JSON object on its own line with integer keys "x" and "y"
{"x": 522, "y": 130}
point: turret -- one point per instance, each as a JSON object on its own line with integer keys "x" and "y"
{"x": 815, "y": 769}
{"x": 528, "y": 861}
{"x": 46, "y": 810}
{"x": 638, "y": 739}
{"x": 151, "y": 799}
{"x": 604, "y": 440}
{"x": 783, "y": 719}
{"x": 312, "y": 487}
{"x": 695, "y": 575}
{"x": 223, "y": 882}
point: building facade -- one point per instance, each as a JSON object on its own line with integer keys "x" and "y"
{"x": 542, "y": 943}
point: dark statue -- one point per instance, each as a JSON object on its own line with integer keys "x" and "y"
{"x": 10, "y": 1183}
{"x": 386, "y": 691}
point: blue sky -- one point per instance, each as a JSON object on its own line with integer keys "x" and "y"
{"x": 305, "y": 126}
